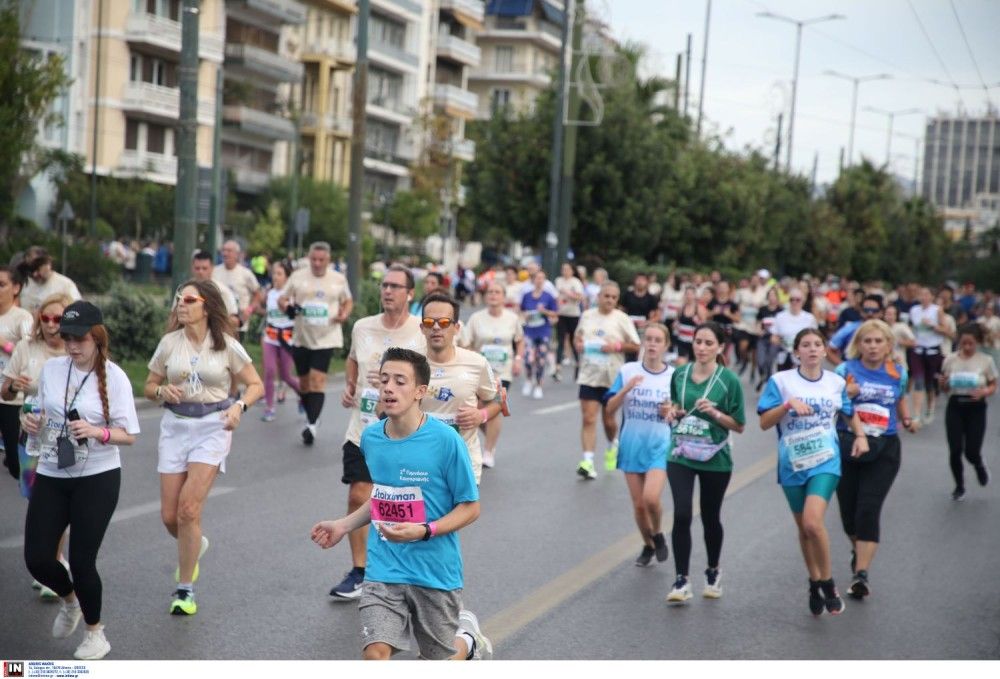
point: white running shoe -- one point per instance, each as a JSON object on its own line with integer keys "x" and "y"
{"x": 489, "y": 459}
{"x": 94, "y": 647}
{"x": 567, "y": 361}
{"x": 538, "y": 395}
{"x": 681, "y": 591}
{"x": 526, "y": 388}
{"x": 713, "y": 584}
{"x": 66, "y": 620}
{"x": 469, "y": 623}
{"x": 46, "y": 594}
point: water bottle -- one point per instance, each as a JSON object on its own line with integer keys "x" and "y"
{"x": 32, "y": 445}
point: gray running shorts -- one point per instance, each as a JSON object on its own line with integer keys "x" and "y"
{"x": 389, "y": 613}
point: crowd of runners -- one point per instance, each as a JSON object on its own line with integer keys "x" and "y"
{"x": 838, "y": 368}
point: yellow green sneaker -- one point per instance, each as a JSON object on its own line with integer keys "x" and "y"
{"x": 586, "y": 470}
{"x": 183, "y": 603}
{"x": 201, "y": 553}
{"x": 611, "y": 458}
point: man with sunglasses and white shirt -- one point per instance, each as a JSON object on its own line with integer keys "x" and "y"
{"x": 322, "y": 302}
{"x": 370, "y": 337}
{"x": 463, "y": 389}
{"x": 787, "y": 325}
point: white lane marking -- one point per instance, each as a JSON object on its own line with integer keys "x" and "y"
{"x": 120, "y": 515}
{"x": 557, "y": 409}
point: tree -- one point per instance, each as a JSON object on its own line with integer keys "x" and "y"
{"x": 28, "y": 85}
{"x": 327, "y": 204}
{"x": 410, "y": 213}
{"x": 268, "y": 234}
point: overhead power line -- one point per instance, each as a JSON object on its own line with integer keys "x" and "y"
{"x": 968, "y": 47}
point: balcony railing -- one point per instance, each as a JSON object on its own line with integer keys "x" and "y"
{"x": 449, "y": 95}
{"x": 134, "y": 162}
{"x": 471, "y": 8}
{"x": 164, "y": 102}
{"x": 250, "y": 180}
{"x": 164, "y": 33}
{"x": 453, "y": 47}
{"x": 327, "y": 122}
{"x": 463, "y": 149}
{"x": 284, "y": 11}
{"x": 404, "y": 154}
{"x": 262, "y": 62}
{"x": 260, "y": 123}
{"x": 341, "y": 51}
{"x": 411, "y": 6}
{"x": 393, "y": 52}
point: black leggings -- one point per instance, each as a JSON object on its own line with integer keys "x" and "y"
{"x": 713, "y": 489}
{"x": 10, "y": 428}
{"x": 85, "y": 504}
{"x": 965, "y": 424}
{"x": 864, "y": 486}
{"x": 566, "y": 328}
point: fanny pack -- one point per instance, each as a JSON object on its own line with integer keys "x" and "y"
{"x": 198, "y": 409}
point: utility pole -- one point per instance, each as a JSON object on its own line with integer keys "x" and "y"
{"x": 97, "y": 115}
{"x": 569, "y": 150}
{"x": 358, "y": 102}
{"x": 677, "y": 83}
{"x": 218, "y": 202}
{"x": 185, "y": 203}
{"x": 777, "y": 143}
{"x": 550, "y": 260}
{"x": 854, "y": 102}
{"x": 704, "y": 64}
{"x": 293, "y": 189}
{"x": 687, "y": 75}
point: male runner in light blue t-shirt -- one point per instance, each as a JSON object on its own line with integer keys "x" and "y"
{"x": 423, "y": 492}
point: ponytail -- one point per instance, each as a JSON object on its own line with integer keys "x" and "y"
{"x": 100, "y": 335}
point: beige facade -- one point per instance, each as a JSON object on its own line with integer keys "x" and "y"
{"x": 519, "y": 56}
{"x": 138, "y": 103}
{"x": 325, "y": 46}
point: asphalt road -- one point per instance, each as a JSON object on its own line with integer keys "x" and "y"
{"x": 548, "y": 566}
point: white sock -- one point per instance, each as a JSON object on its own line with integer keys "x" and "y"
{"x": 588, "y": 455}
{"x": 470, "y": 643}
{"x": 186, "y": 586}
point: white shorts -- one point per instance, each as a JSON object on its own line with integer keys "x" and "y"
{"x": 192, "y": 439}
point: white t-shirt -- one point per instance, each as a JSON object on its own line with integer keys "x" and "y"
{"x": 205, "y": 375}
{"x": 83, "y": 394}
{"x": 33, "y": 294}
{"x": 597, "y": 368}
{"x": 787, "y": 325}
{"x": 568, "y": 307}
{"x": 276, "y": 320}
{"x": 924, "y": 321}
{"x": 15, "y": 325}
{"x": 240, "y": 281}
{"x": 494, "y": 338}
{"x": 320, "y": 299}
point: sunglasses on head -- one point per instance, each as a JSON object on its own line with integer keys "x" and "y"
{"x": 190, "y": 299}
{"x": 45, "y": 318}
{"x": 439, "y": 322}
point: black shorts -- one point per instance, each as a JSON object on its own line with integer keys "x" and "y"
{"x": 311, "y": 359}
{"x": 355, "y": 467}
{"x": 740, "y": 335}
{"x": 684, "y": 349}
{"x": 588, "y": 393}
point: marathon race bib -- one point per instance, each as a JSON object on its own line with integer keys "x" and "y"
{"x": 47, "y": 447}
{"x": 638, "y": 321}
{"x": 592, "y": 352}
{"x": 316, "y": 313}
{"x": 535, "y": 319}
{"x": 367, "y": 402}
{"x": 496, "y": 355}
{"x": 808, "y": 449}
{"x": 447, "y": 418}
{"x": 693, "y": 439}
{"x": 874, "y": 418}
{"x": 964, "y": 381}
{"x": 392, "y": 505}
{"x": 685, "y": 333}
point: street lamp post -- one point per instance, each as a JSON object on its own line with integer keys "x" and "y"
{"x": 854, "y": 103}
{"x": 795, "y": 74}
{"x": 892, "y": 117}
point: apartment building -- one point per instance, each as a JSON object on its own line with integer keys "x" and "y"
{"x": 136, "y": 95}
{"x": 961, "y": 159}
{"x": 325, "y": 46}
{"x": 459, "y": 22}
{"x": 260, "y": 68}
{"x": 520, "y": 43}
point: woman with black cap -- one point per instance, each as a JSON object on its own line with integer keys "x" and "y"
{"x": 87, "y": 411}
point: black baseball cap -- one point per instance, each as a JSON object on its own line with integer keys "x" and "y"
{"x": 79, "y": 317}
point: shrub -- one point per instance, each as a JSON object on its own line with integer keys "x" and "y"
{"x": 88, "y": 267}
{"x": 135, "y": 321}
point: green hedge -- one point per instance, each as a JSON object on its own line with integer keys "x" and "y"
{"x": 135, "y": 321}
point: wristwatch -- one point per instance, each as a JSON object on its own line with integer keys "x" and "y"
{"x": 242, "y": 404}
{"x": 427, "y": 532}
